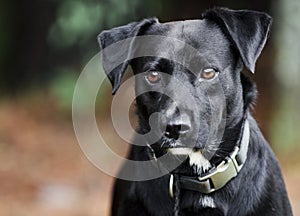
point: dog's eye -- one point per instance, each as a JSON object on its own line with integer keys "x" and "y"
{"x": 153, "y": 76}
{"x": 208, "y": 73}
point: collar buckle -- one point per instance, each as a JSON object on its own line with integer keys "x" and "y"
{"x": 224, "y": 172}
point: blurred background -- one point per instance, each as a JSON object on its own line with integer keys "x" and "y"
{"x": 44, "y": 45}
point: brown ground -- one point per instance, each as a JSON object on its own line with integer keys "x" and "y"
{"x": 44, "y": 172}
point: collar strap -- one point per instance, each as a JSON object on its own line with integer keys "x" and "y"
{"x": 219, "y": 176}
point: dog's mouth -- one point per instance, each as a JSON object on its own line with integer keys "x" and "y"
{"x": 195, "y": 164}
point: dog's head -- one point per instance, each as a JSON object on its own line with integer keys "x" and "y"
{"x": 184, "y": 86}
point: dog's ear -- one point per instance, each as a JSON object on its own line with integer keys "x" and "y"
{"x": 109, "y": 37}
{"x": 248, "y": 31}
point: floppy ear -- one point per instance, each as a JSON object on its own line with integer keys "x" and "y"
{"x": 248, "y": 31}
{"x": 109, "y": 37}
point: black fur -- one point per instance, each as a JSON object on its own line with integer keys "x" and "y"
{"x": 228, "y": 40}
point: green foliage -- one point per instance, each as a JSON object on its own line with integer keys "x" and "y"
{"x": 79, "y": 21}
{"x": 285, "y": 126}
{"x": 75, "y": 21}
{"x": 62, "y": 88}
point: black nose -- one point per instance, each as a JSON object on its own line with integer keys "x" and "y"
{"x": 175, "y": 128}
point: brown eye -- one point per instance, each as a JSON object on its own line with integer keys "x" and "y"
{"x": 153, "y": 76}
{"x": 208, "y": 73}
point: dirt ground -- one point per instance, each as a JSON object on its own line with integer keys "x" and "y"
{"x": 44, "y": 172}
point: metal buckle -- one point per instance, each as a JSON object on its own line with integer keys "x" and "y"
{"x": 224, "y": 172}
{"x": 171, "y": 185}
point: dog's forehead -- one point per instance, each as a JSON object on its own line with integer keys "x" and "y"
{"x": 190, "y": 28}
{"x": 200, "y": 33}
{"x": 204, "y": 36}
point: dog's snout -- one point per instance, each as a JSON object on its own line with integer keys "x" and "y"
{"x": 178, "y": 126}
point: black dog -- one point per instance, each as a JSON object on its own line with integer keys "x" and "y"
{"x": 236, "y": 175}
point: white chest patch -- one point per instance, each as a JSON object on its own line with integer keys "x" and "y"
{"x": 196, "y": 158}
{"x": 207, "y": 201}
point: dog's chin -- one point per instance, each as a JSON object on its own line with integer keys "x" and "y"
{"x": 195, "y": 164}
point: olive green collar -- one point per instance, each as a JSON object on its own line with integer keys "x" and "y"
{"x": 219, "y": 176}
